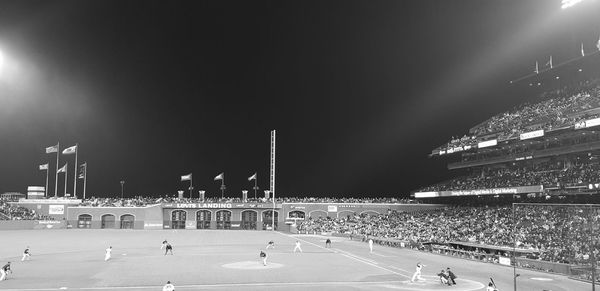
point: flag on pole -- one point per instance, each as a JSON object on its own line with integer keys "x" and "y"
{"x": 582, "y": 51}
{"x": 187, "y": 177}
{"x": 220, "y": 176}
{"x": 253, "y": 177}
{"x": 70, "y": 150}
{"x": 63, "y": 169}
{"x": 82, "y": 170}
{"x": 44, "y": 167}
{"x": 549, "y": 63}
{"x": 537, "y": 69}
{"x": 52, "y": 149}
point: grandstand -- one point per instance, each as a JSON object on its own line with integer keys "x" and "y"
{"x": 548, "y": 146}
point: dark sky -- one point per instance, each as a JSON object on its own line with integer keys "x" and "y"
{"x": 359, "y": 92}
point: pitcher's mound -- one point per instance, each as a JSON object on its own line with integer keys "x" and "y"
{"x": 252, "y": 265}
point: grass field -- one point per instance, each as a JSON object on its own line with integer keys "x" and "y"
{"x": 228, "y": 260}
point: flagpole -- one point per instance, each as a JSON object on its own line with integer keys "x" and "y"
{"x": 191, "y": 185}
{"x": 66, "y": 170}
{"x": 255, "y": 187}
{"x": 273, "y": 213}
{"x": 75, "y": 172}
{"x": 47, "y": 170}
{"x": 84, "y": 179}
{"x": 223, "y": 187}
{"x": 56, "y": 180}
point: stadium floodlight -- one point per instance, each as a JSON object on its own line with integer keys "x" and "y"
{"x": 1, "y": 61}
{"x": 568, "y": 3}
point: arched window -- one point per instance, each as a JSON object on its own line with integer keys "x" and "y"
{"x": 296, "y": 214}
{"x": 318, "y": 213}
{"x": 178, "y": 218}
{"x": 203, "y": 218}
{"x": 223, "y": 219}
{"x": 108, "y": 221}
{"x": 84, "y": 221}
{"x": 127, "y": 221}
{"x": 249, "y": 218}
{"x": 267, "y": 219}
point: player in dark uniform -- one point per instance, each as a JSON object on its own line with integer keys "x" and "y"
{"x": 164, "y": 244}
{"x": 451, "y": 277}
{"x": 4, "y": 270}
{"x": 263, "y": 256}
{"x": 168, "y": 248}
{"x": 328, "y": 243}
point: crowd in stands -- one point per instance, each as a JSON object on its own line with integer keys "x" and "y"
{"x": 554, "y": 174}
{"x": 12, "y": 212}
{"x": 558, "y": 109}
{"x": 141, "y": 201}
{"x": 553, "y": 234}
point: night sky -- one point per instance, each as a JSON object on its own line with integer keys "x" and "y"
{"x": 359, "y": 92}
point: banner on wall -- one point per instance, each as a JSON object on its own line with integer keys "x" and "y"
{"x": 56, "y": 209}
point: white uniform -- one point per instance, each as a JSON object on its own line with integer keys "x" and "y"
{"x": 168, "y": 287}
{"x": 107, "y": 256}
{"x": 4, "y": 270}
{"x": 371, "y": 245}
{"x": 297, "y": 247}
{"x": 417, "y": 274}
{"x": 26, "y": 255}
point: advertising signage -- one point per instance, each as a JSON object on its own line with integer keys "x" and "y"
{"x": 532, "y": 134}
{"x": 218, "y": 205}
{"x": 489, "y": 143}
{"x": 492, "y": 191}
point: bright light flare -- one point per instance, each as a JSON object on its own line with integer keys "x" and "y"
{"x": 1, "y": 61}
{"x": 568, "y": 3}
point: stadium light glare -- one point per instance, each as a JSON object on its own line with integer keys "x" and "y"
{"x": 1, "y": 60}
{"x": 569, "y": 3}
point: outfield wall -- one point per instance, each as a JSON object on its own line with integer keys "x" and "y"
{"x": 149, "y": 217}
{"x": 248, "y": 216}
{"x": 32, "y": 224}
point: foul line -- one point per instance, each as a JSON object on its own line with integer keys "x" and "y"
{"x": 349, "y": 255}
{"x": 274, "y": 284}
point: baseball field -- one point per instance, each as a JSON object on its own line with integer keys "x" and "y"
{"x": 229, "y": 260}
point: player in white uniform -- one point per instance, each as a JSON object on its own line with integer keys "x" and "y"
{"x": 168, "y": 287}
{"x": 26, "y": 254}
{"x": 4, "y": 270}
{"x": 271, "y": 244}
{"x": 108, "y": 251}
{"x": 297, "y": 247}
{"x": 491, "y": 287}
{"x": 371, "y": 245}
{"x": 417, "y": 274}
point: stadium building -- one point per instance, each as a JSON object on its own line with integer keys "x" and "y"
{"x": 69, "y": 213}
{"x": 548, "y": 146}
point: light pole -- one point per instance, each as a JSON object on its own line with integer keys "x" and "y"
{"x": 122, "y": 183}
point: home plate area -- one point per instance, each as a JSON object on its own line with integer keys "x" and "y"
{"x": 433, "y": 283}
{"x": 252, "y": 265}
